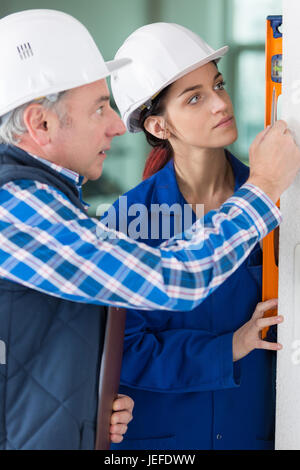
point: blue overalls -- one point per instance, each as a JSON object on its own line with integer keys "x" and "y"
{"x": 178, "y": 366}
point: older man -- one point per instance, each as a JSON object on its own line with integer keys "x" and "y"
{"x": 56, "y": 272}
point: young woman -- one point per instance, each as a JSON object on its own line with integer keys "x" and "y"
{"x": 204, "y": 379}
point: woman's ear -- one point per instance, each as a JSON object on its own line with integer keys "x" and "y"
{"x": 156, "y": 125}
{"x": 36, "y": 121}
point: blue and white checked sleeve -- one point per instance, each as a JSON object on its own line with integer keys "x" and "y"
{"x": 49, "y": 245}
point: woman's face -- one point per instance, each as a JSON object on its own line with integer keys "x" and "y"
{"x": 199, "y": 112}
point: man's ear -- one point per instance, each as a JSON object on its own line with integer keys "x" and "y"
{"x": 157, "y": 126}
{"x": 37, "y": 119}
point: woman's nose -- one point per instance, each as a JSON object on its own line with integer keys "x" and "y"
{"x": 219, "y": 103}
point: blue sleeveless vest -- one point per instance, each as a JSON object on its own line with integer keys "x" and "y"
{"x": 49, "y": 384}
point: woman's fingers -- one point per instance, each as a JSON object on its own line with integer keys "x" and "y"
{"x": 268, "y": 345}
{"x": 263, "y": 307}
{"x": 248, "y": 336}
{"x": 268, "y": 321}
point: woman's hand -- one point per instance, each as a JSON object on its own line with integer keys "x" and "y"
{"x": 121, "y": 416}
{"x": 248, "y": 337}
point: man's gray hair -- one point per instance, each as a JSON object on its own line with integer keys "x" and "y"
{"x": 12, "y": 124}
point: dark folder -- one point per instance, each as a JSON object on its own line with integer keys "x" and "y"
{"x": 110, "y": 373}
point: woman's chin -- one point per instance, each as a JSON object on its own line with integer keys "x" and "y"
{"x": 230, "y": 139}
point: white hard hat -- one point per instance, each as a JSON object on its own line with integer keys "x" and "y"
{"x": 161, "y": 53}
{"x": 44, "y": 52}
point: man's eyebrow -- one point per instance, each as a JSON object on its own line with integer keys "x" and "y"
{"x": 102, "y": 98}
{"x": 196, "y": 87}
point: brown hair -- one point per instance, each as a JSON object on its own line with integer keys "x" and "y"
{"x": 162, "y": 150}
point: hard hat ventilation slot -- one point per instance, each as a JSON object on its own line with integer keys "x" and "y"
{"x": 25, "y": 51}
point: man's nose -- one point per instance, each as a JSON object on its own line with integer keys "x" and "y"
{"x": 117, "y": 127}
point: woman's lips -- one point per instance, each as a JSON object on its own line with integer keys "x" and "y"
{"x": 225, "y": 122}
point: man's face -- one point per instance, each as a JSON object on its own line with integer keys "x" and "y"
{"x": 86, "y": 129}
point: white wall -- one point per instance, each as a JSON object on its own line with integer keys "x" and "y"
{"x": 288, "y": 360}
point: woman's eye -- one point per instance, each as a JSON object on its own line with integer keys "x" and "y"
{"x": 194, "y": 99}
{"x": 220, "y": 85}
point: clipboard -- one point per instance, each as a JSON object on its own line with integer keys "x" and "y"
{"x": 110, "y": 372}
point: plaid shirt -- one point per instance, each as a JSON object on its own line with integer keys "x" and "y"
{"x": 48, "y": 244}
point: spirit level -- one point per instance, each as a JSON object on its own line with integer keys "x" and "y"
{"x": 273, "y": 91}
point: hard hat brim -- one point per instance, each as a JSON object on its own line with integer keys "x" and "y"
{"x": 131, "y": 119}
{"x": 113, "y": 65}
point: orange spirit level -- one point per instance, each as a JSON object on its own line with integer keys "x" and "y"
{"x": 273, "y": 90}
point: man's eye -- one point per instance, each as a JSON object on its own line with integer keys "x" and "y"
{"x": 100, "y": 110}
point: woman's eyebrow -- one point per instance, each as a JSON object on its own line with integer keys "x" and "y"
{"x": 196, "y": 87}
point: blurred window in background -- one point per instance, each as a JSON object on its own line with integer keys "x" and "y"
{"x": 245, "y": 74}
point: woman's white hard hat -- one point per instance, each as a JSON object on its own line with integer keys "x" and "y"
{"x": 44, "y": 52}
{"x": 161, "y": 53}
